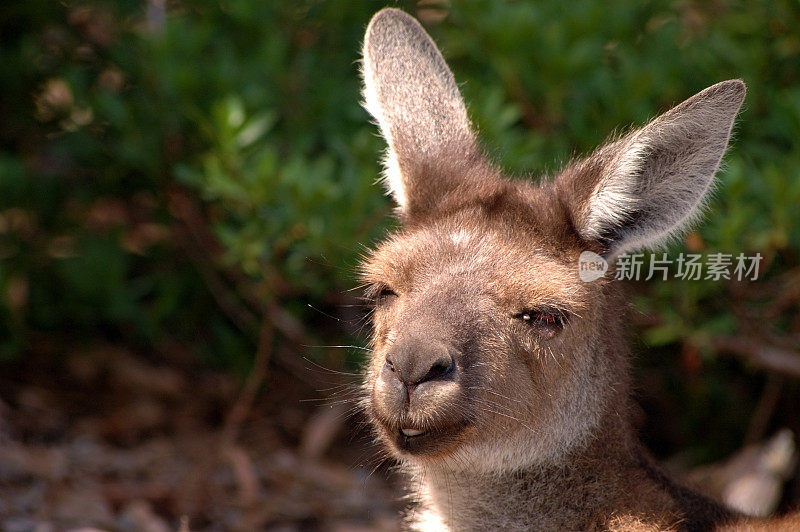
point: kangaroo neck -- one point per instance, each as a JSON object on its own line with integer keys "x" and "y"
{"x": 539, "y": 497}
{"x": 611, "y": 483}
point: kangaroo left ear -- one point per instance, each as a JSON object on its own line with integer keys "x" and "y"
{"x": 651, "y": 184}
{"x": 413, "y": 96}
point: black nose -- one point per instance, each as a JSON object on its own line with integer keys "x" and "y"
{"x": 416, "y": 360}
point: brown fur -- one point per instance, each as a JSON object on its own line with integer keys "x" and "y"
{"x": 498, "y": 378}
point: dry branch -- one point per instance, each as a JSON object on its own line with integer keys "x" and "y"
{"x": 765, "y": 356}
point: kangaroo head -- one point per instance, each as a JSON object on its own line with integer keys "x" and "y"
{"x": 489, "y": 352}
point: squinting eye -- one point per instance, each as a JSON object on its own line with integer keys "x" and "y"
{"x": 546, "y": 317}
{"x": 386, "y": 292}
{"x": 379, "y": 293}
{"x": 540, "y": 316}
{"x": 547, "y": 323}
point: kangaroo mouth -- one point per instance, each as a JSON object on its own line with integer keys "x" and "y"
{"x": 431, "y": 421}
{"x": 419, "y": 441}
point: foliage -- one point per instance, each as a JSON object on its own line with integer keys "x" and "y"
{"x": 115, "y": 112}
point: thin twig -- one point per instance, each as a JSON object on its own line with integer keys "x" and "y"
{"x": 203, "y": 252}
{"x": 759, "y": 422}
{"x": 236, "y": 302}
{"x": 768, "y": 357}
{"x": 241, "y": 408}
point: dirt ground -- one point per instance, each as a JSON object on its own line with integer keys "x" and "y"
{"x": 110, "y": 440}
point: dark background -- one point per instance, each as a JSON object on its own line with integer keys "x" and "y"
{"x": 185, "y": 189}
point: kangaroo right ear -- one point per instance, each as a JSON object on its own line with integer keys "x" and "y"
{"x": 648, "y": 186}
{"x": 411, "y": 92}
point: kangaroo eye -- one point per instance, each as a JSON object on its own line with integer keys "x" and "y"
{"x": 379, "y": 293}
{"x": 386, "y": 292}
{"x": 535, "y": 317}
{"x": 546, "y": 322}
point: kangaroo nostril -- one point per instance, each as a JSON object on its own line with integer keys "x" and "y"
{"x": 415, "y": 360}
{"x": 440, "y": 368}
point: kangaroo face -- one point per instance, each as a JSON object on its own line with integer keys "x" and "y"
{"x": 489, "y": 352}
{"x": 480, "y": 334}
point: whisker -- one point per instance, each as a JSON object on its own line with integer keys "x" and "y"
{"x": 338, "y": 347}
{"x": 514, "y": 418}
{"x": 329, "y": 370}
{"x": 497, "y": 394}
{"x": 323, "y": 313}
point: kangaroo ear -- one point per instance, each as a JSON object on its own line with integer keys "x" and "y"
{"x": 411, "y": 92}
{"x": 651, "y": 184}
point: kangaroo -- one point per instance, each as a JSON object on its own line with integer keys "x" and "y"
{"x": 497, "y": 378}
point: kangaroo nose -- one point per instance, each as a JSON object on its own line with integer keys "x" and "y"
{"x": 416, "y": 360}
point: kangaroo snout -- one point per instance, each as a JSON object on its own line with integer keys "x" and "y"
{"x": 419, "y": 382}
{"x": 418, "y": 393}
{"x": 418, "y": 361}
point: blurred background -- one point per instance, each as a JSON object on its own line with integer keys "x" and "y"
{"x": 186, "y": 188}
